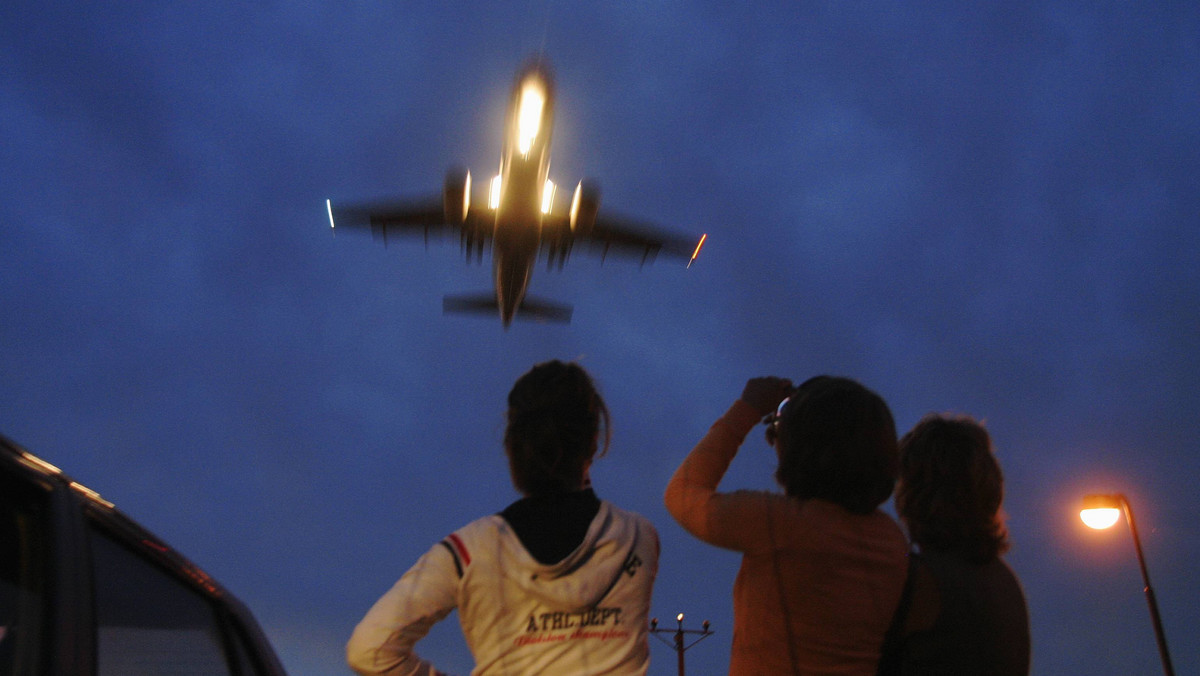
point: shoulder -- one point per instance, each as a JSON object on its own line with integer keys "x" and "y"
{"x": 1004, "y": 582}
{"x": 878, "y": 524}
{"x": 957, "y": 578}
{"x": 484, "y": 527}
{"x": 953, "y": 564}
{"x": 464, "y": 543}
{"x": 626, "y": 518}
{"x": 629, "y": 525}
{"x": 764, "y": 498}
{"x": 1005, "y": 572}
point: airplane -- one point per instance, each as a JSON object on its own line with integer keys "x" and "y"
{"x": 518, "y": 221}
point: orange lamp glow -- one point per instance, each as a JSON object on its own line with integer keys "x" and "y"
{"x": 1100, "y": 511}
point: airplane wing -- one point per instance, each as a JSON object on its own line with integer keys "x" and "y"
{"x": 390, "y": 219}
{"x": 620, "y": 235}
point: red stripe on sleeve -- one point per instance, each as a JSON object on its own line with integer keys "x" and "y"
{"x": 460, "y": 548}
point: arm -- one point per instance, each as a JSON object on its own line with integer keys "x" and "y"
{"x": 732, "y": 520}
{"x": 692, "y": 497}
{"x": 383, "y": 641}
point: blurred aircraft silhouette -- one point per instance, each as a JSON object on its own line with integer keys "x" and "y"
{"x": 518, "y": 220}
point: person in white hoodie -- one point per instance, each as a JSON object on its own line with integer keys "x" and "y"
{"x": 557, "y": 583}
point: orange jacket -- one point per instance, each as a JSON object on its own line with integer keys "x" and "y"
{"x": 818, "y": 585}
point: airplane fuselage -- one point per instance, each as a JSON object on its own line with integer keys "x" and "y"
{"x": 524, "y": 170}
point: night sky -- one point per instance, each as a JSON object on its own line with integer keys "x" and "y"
{"x": 984, "y": 208}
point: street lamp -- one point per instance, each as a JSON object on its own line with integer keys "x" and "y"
{"x": 1102, "y": 511}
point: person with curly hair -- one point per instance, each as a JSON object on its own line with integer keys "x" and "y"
{"x": 559, "y": 582}
{"x": 968, "y": 614}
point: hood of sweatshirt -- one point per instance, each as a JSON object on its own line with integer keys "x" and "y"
{"x": 584, "y": 577}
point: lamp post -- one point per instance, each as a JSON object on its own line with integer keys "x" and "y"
{"x": 1102, "y": 511}
{"x": 679, "y": 632}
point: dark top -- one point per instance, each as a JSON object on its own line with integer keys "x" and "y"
{"x": 980, "y": 625}
{"x": 552, "y": 526}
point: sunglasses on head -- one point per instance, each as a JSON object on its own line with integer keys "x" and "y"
{"x": 772, "y": 420}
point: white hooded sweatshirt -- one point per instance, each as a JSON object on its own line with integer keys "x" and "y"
{"x": 586, "y": 614}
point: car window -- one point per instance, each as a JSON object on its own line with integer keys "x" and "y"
{"x": 149, "y": 621}
{"x": 24, "y": 527}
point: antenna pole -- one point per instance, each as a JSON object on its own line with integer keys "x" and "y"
{"x": 679, "y": 646}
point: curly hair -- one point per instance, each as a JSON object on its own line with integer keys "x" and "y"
{"x": 951, "y": 488}
{"x": 555, "y": 415}
{"x": 837, "y": 442}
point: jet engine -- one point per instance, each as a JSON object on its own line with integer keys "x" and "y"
{"x": 456, "y": 198}
{"x": 584, "y": 205}
{"x": 456, "y": 202}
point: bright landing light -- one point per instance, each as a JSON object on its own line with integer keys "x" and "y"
{"x": 1100, "y": 517}
{"x": 494, "y": 193}
{"x": 529, "y": 115}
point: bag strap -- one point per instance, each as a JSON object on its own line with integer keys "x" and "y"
{"x": 889, "y": 656}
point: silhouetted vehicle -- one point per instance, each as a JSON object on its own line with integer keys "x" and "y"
{"x": 84, "y": 590}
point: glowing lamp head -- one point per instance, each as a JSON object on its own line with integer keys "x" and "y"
{"x": 529, "y": 114}
{"x": 1100, "y": 511}
{"x": 679, "y": 617}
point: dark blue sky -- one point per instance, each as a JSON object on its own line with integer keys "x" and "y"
{"x": 987, "y": 209}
